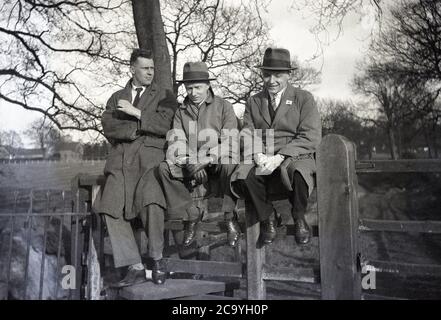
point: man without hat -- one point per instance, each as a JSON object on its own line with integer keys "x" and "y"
{"x": 136, "y": 121}
{"x": 291, "y": 127}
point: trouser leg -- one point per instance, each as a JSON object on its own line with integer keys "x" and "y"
{"x": 299, "y": 196}
{"x": 124, "y": 247}
{"x": 254, "y": 187}
{"x": 222, "y": 174}
{"x": 177, "y": 196}
{"x": 153, "y": 221}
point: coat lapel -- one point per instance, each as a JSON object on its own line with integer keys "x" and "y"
{"x": 288, "y": 96}
{"x": 127, "y": 92}
{"x": 147, "y": 96}
{"x": 263, "y": 108}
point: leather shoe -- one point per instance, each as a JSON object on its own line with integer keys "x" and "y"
{"x": 233, "y": 232}
{"x": 267, "y": 231}
{"x": 159, "y": 271}
{"x": 132, "y": 277}
{"x": 190, "y": 232}
{"x": 302, "y": 232}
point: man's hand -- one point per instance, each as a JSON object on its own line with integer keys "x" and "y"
{"x": 201, "y": 176}
{"x": 260, "y": 158}
{"x": 271, "y": 163}
{"x": 203, "y": 162}
{"x": 126, "y": 107}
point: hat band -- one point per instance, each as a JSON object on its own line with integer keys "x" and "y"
{"x": 276, "y": 63}
{"x": 195, "y": 75}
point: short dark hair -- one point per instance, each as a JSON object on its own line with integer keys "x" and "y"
{"x": 136, "y": 53}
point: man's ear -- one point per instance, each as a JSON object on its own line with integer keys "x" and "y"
{"x": 132, "y": 69}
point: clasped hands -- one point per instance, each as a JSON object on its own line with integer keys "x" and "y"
{"x": 267, "y": 164}
{"x": 126, "y": 107}
{"x": 196, "y": 170}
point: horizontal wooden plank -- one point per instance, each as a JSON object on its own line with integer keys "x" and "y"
{"x": 215, "y": 268}
{"x": 290, "y": 230}
{"x": 402, "y": 268}
{"x": 91, "y": 180}
{"x": 219, "y": 226}
{"x": 420, "y": 165}
{"x": 172, "y": 288}
{"x": 299, "y": 274}
{"x": 400, "y": 226}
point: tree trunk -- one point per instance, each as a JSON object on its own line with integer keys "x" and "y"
{"x": 150, "y": 33}
{"x": 427, "y": 138}
{"x": 392, "y": 143}
{"x": 399, "y": 141}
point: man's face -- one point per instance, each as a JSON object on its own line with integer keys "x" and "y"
{"x": 197, "y": 91}
{"x": 143, "y": 71}
{"x": 274, "y": 80}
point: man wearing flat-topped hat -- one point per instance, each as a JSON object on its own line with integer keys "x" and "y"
{"x": 284, "y": 153}
{"x": 200, "y": 151}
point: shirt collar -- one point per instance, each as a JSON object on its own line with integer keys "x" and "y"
{"x": 134, "y": 87}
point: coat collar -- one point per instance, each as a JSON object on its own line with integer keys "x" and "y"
{"x": 150, "y": 90}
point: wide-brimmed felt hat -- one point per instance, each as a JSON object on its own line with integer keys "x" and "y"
{"x": 195, "y": 71}
{"x": 276, "y": 59}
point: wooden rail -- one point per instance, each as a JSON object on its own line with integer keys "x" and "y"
{"x": 339, "y": 228}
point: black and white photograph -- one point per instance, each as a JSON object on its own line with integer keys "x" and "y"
{"x": 222, "y": 155}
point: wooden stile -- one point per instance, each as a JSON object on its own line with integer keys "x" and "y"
{"x": 338, "y": 219}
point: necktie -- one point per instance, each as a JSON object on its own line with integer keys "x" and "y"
{"x": 272, "y": 106}
{"x": 137, "y": 97}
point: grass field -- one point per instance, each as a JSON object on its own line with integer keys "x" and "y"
{"x": 46, "y": 175}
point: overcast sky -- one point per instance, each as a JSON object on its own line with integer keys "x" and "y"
{"x": 290, "y": 29}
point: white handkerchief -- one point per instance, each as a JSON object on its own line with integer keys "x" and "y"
{"x": 289, "y": 102}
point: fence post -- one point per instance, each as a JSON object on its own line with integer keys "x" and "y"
{"x": 255, "y": 259}
{"x": 79, "y": 228}
{"x": 338, "y": 219}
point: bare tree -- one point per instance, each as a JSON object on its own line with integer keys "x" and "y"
{"x": 411, "y": 38}
{"x": 151, "y": 35}
{"x": 333, "y": 12}
{"x": 222, "y": 34}
{"x": 52, "y": 51}
{"x": 10, "y": 138}
{"x": 44, "y": 134}
{"x": 397, "y": 95}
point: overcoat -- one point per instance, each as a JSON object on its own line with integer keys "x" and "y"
{"x": 215, "y": 116}
{"x": 136, "y": 146}
{"x": 296, "y": 131}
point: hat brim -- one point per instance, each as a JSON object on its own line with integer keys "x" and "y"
{"x": 195, "y": 80}
{"x": 276, "y": 68}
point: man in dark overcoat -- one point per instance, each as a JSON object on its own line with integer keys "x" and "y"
{"x": 281, "y": 133}
{"x": 136, "y": 121}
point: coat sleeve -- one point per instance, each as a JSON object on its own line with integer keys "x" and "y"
{"x": 251, "y": 139}
{"x": 116, "y": 125}
{"x": 160, "y": 122}
{"x": 228, "y": 146}
{"x": 309, "y": 130}
{"x": 177, "y": 140}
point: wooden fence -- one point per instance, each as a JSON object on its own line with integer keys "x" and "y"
{"x": 339, "y": 228}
